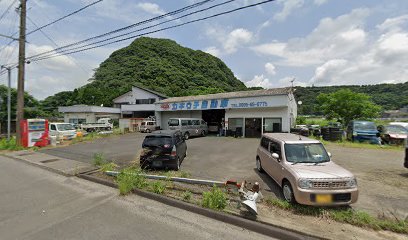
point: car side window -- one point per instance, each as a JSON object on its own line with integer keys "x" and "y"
{"x": 202, "y": 122}
{"x": 265, "y": 143}
{"x": 196, "y": 122}
{"x": 275, "y": 148}
{"x": 53, "y": 127}
{"x": 184, "y": 122}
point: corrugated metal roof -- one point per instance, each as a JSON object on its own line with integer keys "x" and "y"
{"x": 241, "y": 94}
{"x": 86, "y": 108}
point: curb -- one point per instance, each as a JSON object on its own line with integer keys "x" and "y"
{"x": 233, "y": 219}
{"x": 38, "y": 165}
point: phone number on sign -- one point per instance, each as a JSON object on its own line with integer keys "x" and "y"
{"x": 251, "y": 104}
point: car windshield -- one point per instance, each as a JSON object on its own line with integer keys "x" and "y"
{"x": 397, "y": 129}
{"x": 65, "y": 127}
{"x": 157, "y": 141}
{"x": 365, "y": 126}
{"x": 306, "y": 153}
{"x": 173, "y": 122}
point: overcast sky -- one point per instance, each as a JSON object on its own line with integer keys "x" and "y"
{"x": 318, "y": 42}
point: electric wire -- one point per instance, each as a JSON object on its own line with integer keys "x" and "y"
{"x": 155, "y": 31}
{"x": 129, "y": 26}
{"x": 63, "y": 17}
{"x": 142, "y": 29}
{"x": 8, "y": 8}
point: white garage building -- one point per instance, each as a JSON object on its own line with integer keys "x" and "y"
{"x": 249, "y": 112}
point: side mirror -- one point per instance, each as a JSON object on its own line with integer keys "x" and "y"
{"x": 328, "y": 153}
{"x": 275, "y": 155}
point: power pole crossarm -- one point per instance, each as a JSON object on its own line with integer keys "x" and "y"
{"x": 21, "y": 70}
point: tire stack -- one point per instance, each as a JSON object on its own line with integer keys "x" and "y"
{"x": 332, "y": 134}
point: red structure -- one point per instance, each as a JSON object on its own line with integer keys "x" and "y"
{"x": 34, "y": 132}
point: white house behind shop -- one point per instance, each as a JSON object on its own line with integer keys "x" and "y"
{"x": 254, "y": 112}
{"x": 138, "y": 103}
{"x": 78, "y": 114}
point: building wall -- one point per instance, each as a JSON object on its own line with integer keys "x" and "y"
{"x": 163, "y": 117}
{"x": 281, "y": 112}
{"x": 136, "y": 93}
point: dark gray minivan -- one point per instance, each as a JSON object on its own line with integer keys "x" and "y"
{"x": 163, "y": 149}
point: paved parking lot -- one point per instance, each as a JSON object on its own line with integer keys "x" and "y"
{"x": 382, "y": 180}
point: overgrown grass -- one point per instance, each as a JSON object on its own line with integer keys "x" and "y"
{"x": 345, "y": 215}
{"x": 108, "y": 167}
{"x": 9, "y": 145}
{"x": 158, "y": 187}
{"x": 99, "y": 159}
{"x": 130, "y": 178}
{"x": 214, "y": 199}
{"x": 187, "y": 196}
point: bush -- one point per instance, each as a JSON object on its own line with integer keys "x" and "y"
{"x": 9, "y": 145}
{"x": 99, "y": 159}
{"x": 129, "y": 179}
{"x": 214, "y": 199}
{"x": 300, "y": 120}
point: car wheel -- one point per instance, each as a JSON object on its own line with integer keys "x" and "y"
{"x": 203, "y": 133}
{"x": 186, "y": 135}
{"x": 288, "y": 192}
{"x": 258, "y": 165}
{"x": 178, "y": 164}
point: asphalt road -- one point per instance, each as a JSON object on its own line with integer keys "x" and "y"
{"x": 382, "y": 178}
{"x": 37, "y": 204}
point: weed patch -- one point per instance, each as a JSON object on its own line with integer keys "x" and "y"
{"x": 9, "y": 145}
{"x": 158, "y": 187}
{"x": 108, "y": 167}
{"x": 99, "y": 159}
{"x": 187, "y": 196}
{"x": 214, "y": 199}
{"x": 345, "y": 215}
{"x": 129, "y": 179}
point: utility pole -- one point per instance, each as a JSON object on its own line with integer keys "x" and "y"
{"x": 21, "y": 70}
{"x": 8, "y": 101}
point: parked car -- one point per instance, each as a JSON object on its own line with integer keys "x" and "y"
{"x": 403, "y": 124}
{"x": 303, "y": 169}
{"x": 163, "y": 149}
{"x": 213, "y": 127}
{"x": 63, "y": 131}
{"x": 102, "y": 124}
{"x": 189, "y": 126}
{"x": 362, "y": 131}
{"x": 148, "y": 126}
{"x": 393, "y": 134}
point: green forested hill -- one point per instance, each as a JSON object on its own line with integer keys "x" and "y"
{"x": 388, "y": 96}
{"x": 158, "y": 64}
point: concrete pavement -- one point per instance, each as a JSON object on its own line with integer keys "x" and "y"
{"x": 38, "y": 204}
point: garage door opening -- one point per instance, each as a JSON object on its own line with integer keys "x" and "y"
{"x": 213, "y": 118}
{"x": 253, "y": 127}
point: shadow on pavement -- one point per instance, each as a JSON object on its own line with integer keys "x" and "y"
{"x": 404, "y": 175}
{"x": 272, "y": 187}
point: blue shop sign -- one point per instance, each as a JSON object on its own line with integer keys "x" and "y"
{"x": 211, "y": 104}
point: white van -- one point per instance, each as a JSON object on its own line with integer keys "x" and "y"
{"x": 63, "y": 131}
{"x": 147, "y": 126}
{"x": 189, "y": 126}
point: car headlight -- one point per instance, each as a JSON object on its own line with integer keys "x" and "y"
{"x": 305, "y": 183}
{"x": 354, "y": 133}
{"x": 352, "y": 183}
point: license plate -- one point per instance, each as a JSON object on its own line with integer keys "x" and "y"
{"x": 324, "y": 198}
{"x": 157, "y": 164}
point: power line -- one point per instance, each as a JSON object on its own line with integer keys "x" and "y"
{"x": 155, "y": 31}
{"x": 130, "y": 26}
{"x": 139, "y": 30}
{"x": 8, "y": 8}
{"x": 61, "y": 18}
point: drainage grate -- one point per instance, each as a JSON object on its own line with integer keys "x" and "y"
{"x": 50, "y": 160}
{"x": 25, "y": 154}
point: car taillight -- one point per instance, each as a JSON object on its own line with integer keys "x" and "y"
{"x": 173, "y": 151}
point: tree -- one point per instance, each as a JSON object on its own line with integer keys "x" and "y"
{"x": 346, "y": 105}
